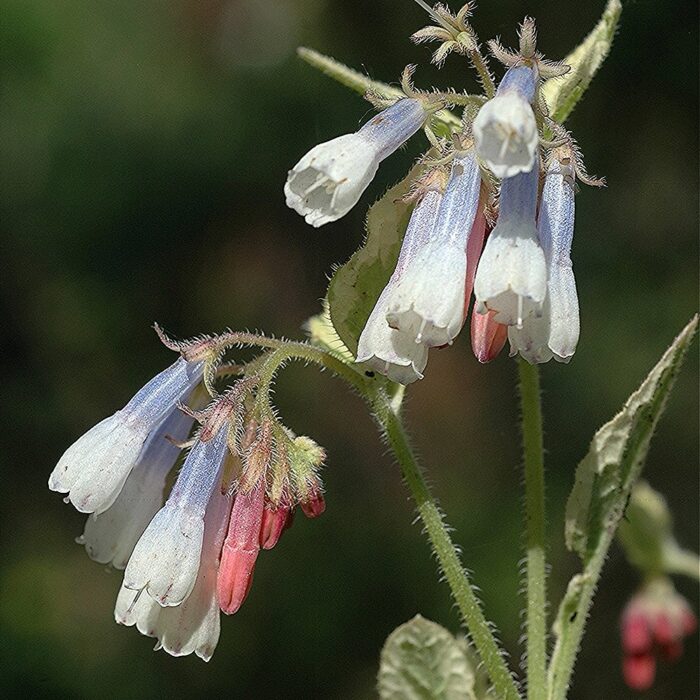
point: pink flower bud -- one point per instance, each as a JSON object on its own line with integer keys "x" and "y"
{"x": 475, "y": 245}
{"x": 314, "y": 505}
{"x": 654, "y": 622}
{"x": 636, "y": 635}
{"x": 274, "y": 523}
{"x": 488, "y": 336}
{"x": 639, "y": 670}
{"x": 241, "y": 548}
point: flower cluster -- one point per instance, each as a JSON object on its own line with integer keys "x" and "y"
{"x": 234, "y": 494}
{"x": 654, "y": 622}
{"x": 494, "y": 214}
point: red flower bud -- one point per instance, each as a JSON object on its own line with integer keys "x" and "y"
{"x": 314, "y": 506}
{"x": 274, "y": 523}
{"x": 488, "y": 336}
{"x": 241, "y": 548}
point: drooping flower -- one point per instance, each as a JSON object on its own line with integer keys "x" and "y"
{"x": 93, "y": 470}
{"x": 655, "y": 621}
{"x": 329, "y": 180}
{"x": 387, "y": 350}
{"x": 111, "y": 536}
{"x": 166, "y": 559}
{"x": 194, "y": 625}
{"x": 555, "y": 332}
{"x": 511, "y": 279}
{"x": 428, "y": 302}
{"x": 505, "y": 129}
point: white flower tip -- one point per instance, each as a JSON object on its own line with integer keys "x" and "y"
{"x": 166, "y": 558}
{"x": 512, "y": 275}
{"x": 94, "y": 468}
{"x": 505, "y": 135}
{"x": 428, "y": 302}
{"x": 328, "y": 181}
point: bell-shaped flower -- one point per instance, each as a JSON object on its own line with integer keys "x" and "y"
{"x": 511, "y": 279}
{"x": 111, "y": 536}
{"x": 194, "y": 625}
{"x": 329, "y": 180}
{"x": 166, "y": 558}
{"x": 92, "y": 471}
{"x": 428, "y": 302}
{"x": 555, "y": 333}
{"x": 505, "y": 129}
{"x": 394, "y": 353}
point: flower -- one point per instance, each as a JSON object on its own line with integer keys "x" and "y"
{"x": 555, "y": 333}
{"x": 194, "y": 625}
{"x": 166, "y": 558}
{"x": 653, "y": 622}
{"x": 110, "y": 537}
{"x": 505, "y": 130}
{"x": 389, "y": 351}
{"x": 93, "y": 470}
{"x": 511, "y": 279}
{"x": 428, "y": 301}
{"x": 329, "y": 180}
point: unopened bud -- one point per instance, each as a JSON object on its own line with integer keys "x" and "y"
{"x": 274, "y": 523}
{"x": 240, "y": 549}
{"x": 488, "y": 336}
{"x": 314, "y": 505}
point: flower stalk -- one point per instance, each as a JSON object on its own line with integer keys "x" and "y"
{"x": 535, "y": 526}
{"x": 437, "y": 531}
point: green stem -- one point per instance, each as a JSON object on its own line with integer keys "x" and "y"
{"x": 479, "y": 63}
{"x": 450, "y": 565}
{"x": 535, "y": 522}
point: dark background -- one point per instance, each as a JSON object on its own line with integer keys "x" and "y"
{"x": 143, "y": 149}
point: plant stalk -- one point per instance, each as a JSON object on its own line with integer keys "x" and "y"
{"x": 533, "y": 450}
{"x": 462, "y": 590}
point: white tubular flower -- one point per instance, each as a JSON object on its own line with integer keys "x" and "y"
{"x": 193, "y": 626}
{"x": 166, "y": 558}
{"x": 428, "y": 302}
{"x": 111, "y": 536}
{"x": 389, "y": 351}
{"x": 505, "y": 129}
{"x": 511, "y": 279}
{"x": 556, "y": 333}
{"x": 92, "y": 471}
{"x": 329, "y": 180}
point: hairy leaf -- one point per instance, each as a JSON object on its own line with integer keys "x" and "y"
{"x": 562, "y": 94}
{"x": 422, "y": 661}
{"x": 321, "y": 333}
{"x": 356, "y": 285}
{"x": 606, "y": 475}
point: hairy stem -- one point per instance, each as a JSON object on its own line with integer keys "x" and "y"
{"x": 535, "y": 523}
{"x": 462, "y": 590}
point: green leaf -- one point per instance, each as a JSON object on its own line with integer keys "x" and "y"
{"x": 422, "y": 661}
{"x": 321, "y": 333}
{"x": 606, "y": 475}
{"x": 562, "y": 94}
{"x": 362, "y": 84}
{"x": 604, "y": 482}
{"x": 356, "y": 285}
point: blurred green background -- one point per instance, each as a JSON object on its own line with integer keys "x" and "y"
{"x": 143, "y": 149}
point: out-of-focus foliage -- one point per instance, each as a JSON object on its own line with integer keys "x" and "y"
{"x": 143, "y": 149}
